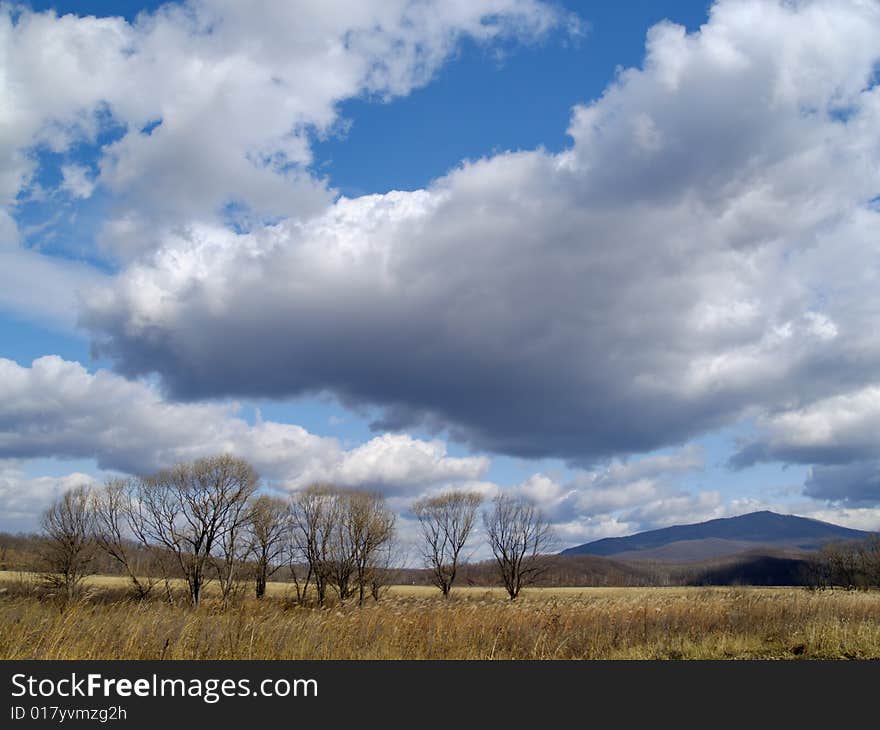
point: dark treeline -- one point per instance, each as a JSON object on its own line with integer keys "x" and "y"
{"x": 847, "y": 565}
{"x": 584, "y": 571}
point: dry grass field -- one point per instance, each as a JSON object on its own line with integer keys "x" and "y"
{"x": 476, "y": 623}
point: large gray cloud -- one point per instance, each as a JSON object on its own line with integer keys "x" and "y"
{"x": 835, "y": 430}
{"x": 852, "y": 485}
{"x": 55, "y": 408}
{"x": 702, "y": 252}
{"x": 838, "y": 435}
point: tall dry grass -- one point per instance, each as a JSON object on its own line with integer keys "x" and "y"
{"x": 636, "y": 623}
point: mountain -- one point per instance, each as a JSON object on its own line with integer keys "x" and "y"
{"x": 722, "y": 537}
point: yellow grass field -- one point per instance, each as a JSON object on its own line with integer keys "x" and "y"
{"x": 414, "y": 622}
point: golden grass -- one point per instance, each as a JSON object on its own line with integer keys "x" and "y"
{"x": 477, "y": 623}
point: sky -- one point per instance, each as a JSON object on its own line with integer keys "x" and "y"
{"x": 619, "y": 259}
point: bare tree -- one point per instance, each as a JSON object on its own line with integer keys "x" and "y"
{"x": 314, "y": 511}
{"x": 115, "y": 527}
{"x": 519, "y": 535}
{"x": 370, "y": 526}
{"x": 842, "y": 562}
{"x": 340, "y": 535}
{"x": 340, "y": 568}
{"x": 268, "y": 539}
{"x": 446, "y": 521}
{"x": 233, "y": 545}
{"x": 342, "y": 554}
{"x": 196, "y": 511}
{"x": 388, "y": 562}
{"x": 69, "y": 549}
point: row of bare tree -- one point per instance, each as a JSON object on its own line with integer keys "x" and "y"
{"x": 206, "y": 521}
{"x": 519, "y": 536}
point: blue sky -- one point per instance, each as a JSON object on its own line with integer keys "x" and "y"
{"x": 484, "y": 102}
{"x": 631, "y": 294}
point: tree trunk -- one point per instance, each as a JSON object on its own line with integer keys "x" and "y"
{"x": 261, "y": 581}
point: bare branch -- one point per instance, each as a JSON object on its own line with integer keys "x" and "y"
{"x": 519, "y": 535}
{"x": 446, "y": 521}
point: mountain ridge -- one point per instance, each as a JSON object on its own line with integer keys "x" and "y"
{"x": 722, "y": 536}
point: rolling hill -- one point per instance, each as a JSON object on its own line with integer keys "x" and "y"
{"x": 722, "y": 537}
